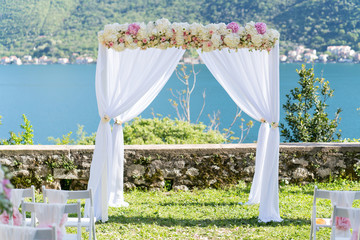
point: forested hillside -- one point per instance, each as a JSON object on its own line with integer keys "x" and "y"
{"x": 61, "y": 27}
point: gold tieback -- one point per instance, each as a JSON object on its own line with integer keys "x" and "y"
{"x": 274, "y": 124}
{"x": 118, "y": 122}
{"x": 105, "y": 118}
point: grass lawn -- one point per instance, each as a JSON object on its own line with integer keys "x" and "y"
{"x": 216, "y": 214}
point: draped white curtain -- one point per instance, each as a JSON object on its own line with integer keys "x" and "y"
{"x": 252, "y": 81}
{"x": 126, "y": 83}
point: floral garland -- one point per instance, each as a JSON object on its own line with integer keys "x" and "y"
{"x": 163, "y": 34}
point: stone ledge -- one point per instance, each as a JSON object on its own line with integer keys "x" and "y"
{"x": 185, "y": 166}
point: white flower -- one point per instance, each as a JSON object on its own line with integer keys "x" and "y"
{"x": 216, "y": 40}
{"x": 250, "y": 28}
{"x": 169, "y": 32}
{"x": 162, "y": 24}
{"x": 179, "y": 39}
{"x": 154, "y": 32}
{"x": 232, "y": 40}
{"x": 256, "y": 40}
{"x": 273, "y": 34}
{"x": 222, "y": 29}
{"x": 178, "y": 28}
{"x": 119, "y": 47}
{"x": 132, "y": 46}
{"x": 241, "y": 31}
{"x": 101, "y": 36}
{"x": 121, "y": 27}
{"x": 195, "y": 28}
{"x": 212, "y": 27}
{"x": 204, "y": 34}
{"x": 128, "y": 39}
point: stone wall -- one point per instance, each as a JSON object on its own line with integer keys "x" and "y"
{"x": 180, "y": 167}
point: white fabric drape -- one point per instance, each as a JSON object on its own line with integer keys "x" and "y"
{"x": 252, "y": 81}
{"x": 126, "y": 83}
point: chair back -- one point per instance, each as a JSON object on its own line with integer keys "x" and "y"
{"x": 324, "y": 194}
{"x": 346, "y": 218}
{"x": 56, "y": 215}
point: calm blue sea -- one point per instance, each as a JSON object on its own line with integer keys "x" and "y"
{"x": 58, "y": 97}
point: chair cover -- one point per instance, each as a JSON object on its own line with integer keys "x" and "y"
{"x": 342, "y": 199}
{"x": 8, "y": 232}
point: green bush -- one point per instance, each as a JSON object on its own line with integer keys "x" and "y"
{"x": 152, "y": 131}
{"x": 168, "y": 131}
{"x": 24, "y": 138}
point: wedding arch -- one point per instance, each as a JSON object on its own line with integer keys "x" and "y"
{"x": 136, "y": 60}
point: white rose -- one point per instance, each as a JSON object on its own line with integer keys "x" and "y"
{"x": 169, "y": 33}
{"x": 241, "y": 31}
{"x": 154, "y": 32}
{"x": 216, "y": 40}
{"x": 212, "y": 27}
{"x": 232, "y": 40}
{"x": 204, "y": 34}
{"x": 256, "y": 40}
{"x": 128, "y": 39}
{"x": 179, "y": 39}
{"x": 195, "y": 27}
{"x": 119, "y": 47}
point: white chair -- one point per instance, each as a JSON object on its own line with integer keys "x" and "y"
{"x": 17, "y": 195}
{"x": 53, "y": 214}
{"x": 353, "y": 214}
{"x": 49, "y": 195}
{"x": 9, "y": 232}
{"x": 341, "y": 197}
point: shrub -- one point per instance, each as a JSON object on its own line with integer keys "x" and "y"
{"x": 305, "y": 110}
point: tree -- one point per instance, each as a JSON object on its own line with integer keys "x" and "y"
{"x": 306, "y": 118}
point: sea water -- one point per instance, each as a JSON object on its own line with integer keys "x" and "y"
{"x": 56, "y": 98}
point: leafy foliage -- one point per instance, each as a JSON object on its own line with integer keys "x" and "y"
{"x": 81, "y": 138}
{"x": 168, "y": 131}
{"x": 24, "y": 138}
{"x": 61, "y": 27}
{"x": 305, "y": 110}
{"x": 151, "y": 131}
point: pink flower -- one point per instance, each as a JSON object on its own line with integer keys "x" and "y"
{"x": 4, "y": 218}
{"x": 260, "y": 27}
{"x": 7, "y": 190}
{"x": 133, "y": 28}
{"x": 135, "y": 40}
{"x": 121, "y": 40}
{"x": 342, "y": 223}
{"x": 211, "y": 32}
{"x": 17, "y": 217}
{"x": 144, "y": 40}
{"x": 233, "y": 26}
{"x": 209, "y": 43}
{"x": 163, "y": 39}
{"x": 111, "y": 44}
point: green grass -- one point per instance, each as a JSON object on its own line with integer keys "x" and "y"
{"x": 215, "y": 214}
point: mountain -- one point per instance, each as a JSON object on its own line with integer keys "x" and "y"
{"x": 60, "y": 27}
